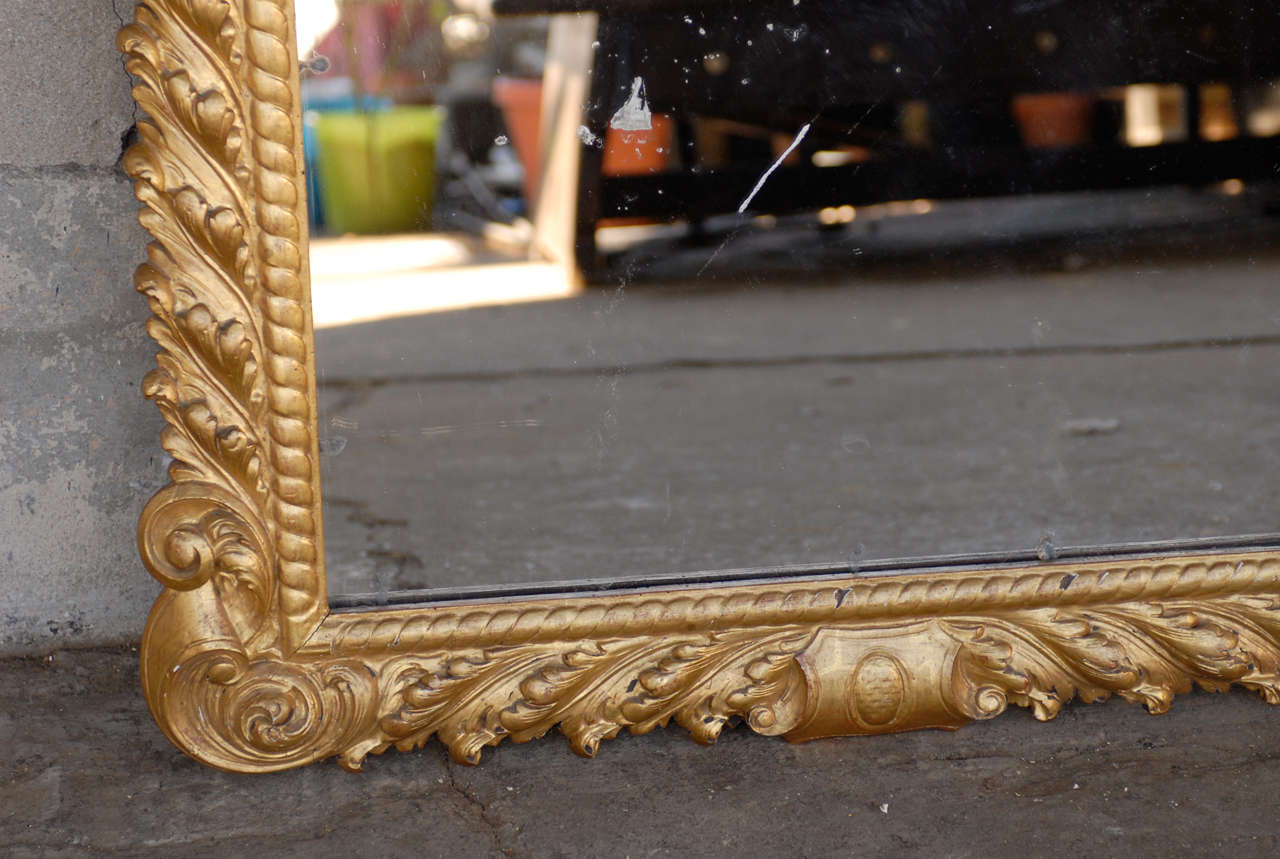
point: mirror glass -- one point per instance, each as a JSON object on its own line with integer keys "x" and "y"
{"x": 685, "y": 287}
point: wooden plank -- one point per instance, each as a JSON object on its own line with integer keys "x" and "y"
{"x": 566, "y": 83}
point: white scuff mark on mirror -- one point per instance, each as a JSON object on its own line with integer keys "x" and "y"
{"x": 774, "y": 166}
{"x": 1091, "y": 426}
{"x": 634, "y": 115}
{"x": 585, "y": 135}
{"x": 848, "y": 442}
{"x": 333, "y": 445}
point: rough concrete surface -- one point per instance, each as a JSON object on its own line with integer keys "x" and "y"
{"x": 77, "y": 442}
{"x": 62, "y": 83}
{"x": 85, "y": 772}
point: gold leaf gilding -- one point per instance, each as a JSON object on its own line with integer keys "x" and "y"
{"x": 246, "y": 669}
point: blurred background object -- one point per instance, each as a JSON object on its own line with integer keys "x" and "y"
{"x": 402, "y": 133}
{"x": 452, "y": 115}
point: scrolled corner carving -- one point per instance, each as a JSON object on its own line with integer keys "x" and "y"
{"x": 194, "y": 535}
{"x": 246, "y": 712}
{"x": 245, "y": 670}
{"x": 271, "y": 714}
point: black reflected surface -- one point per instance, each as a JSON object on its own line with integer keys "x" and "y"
{"x": 796, "y": 287}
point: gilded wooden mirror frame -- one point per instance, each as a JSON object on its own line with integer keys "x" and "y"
{"x": 246, "y": 668}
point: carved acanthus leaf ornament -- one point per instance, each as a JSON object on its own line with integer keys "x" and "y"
{"x": 246, "y": 669}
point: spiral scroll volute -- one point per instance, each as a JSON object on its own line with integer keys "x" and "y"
{"x": 190, "y": 531}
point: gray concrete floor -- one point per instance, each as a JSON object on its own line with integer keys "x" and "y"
{"x": 793, "y": 403}
{"x": 86, "y": 773}
{"x": 828, "y": 386}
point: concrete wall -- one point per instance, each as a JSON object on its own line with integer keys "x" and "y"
{"x": 78, "y": 444}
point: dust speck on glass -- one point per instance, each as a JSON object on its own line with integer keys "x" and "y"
{"x": 627, "y": 291}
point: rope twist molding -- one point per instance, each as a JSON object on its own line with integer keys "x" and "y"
{"x": 245, "y": 668}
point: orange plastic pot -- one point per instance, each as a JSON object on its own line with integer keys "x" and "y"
{"x": 626, "y": 153}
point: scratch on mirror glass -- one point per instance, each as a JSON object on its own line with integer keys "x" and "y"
{"x": 732, "y": 235}
{"x": 804, "y": 129}
{"x": 606, "y": 432}
{"x": 448, "y": 428}
{"x": 445, "y": 429}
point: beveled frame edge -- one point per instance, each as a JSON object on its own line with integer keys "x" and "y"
{"x": 245, "y": 668}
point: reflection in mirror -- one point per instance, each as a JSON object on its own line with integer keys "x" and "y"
{"x": 673, "y": 286}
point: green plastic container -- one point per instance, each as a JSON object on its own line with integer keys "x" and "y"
{"x": 378, "y": 169}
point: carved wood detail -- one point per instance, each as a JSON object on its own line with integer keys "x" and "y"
{"x": 245, "y": 668}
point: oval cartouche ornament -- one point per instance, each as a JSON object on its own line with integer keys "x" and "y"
{"x": 878, "y": 689}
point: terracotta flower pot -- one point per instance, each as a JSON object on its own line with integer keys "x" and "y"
{"x": 1053, "y": 119}
{"x": 625, "y": 152}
